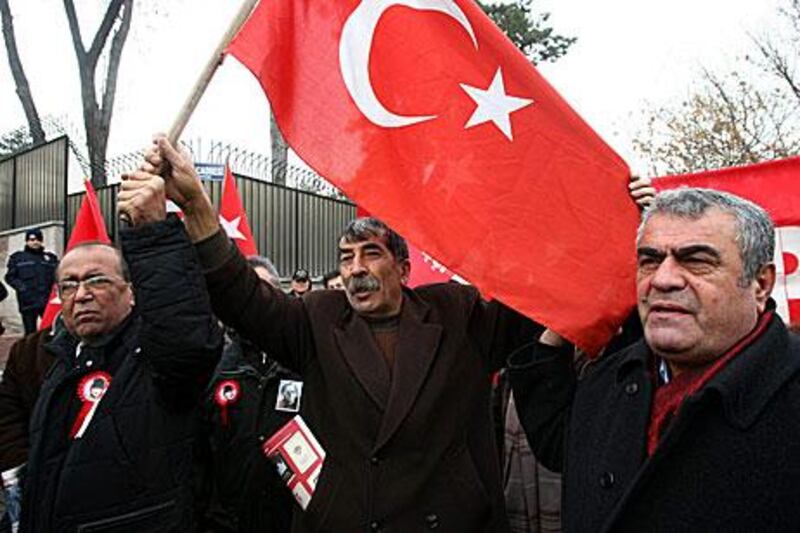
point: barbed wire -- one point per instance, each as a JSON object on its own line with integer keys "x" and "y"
{"x": 243, "y": 161}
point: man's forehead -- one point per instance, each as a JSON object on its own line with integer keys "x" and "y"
{"x": 90, "y": 258}
{"x": 715, "y": 227}
{"x": 370, "y": 241}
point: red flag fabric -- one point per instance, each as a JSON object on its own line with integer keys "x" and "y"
{"x": 425, "y": 269}
{"x": 89, "y": 226}
{"x": 424, "y": 113}
{"x": 233, "y": 218}
{"x": 775, "y": 186}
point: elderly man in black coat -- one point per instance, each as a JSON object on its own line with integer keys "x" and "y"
{"x": 697, "y": 427}
{"x": 112, "y": 432}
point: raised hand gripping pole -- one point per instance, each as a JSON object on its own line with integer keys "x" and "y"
{"x": 202, "y": 82}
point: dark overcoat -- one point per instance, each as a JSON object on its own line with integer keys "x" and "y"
{"x": 730, "y": 460}
{"x": 404, "y": 453}
{"x": 31, "y": 273}
{"x": 132, "y": 468}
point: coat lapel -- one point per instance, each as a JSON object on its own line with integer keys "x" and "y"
{"x": 417, "y": 344}
{"x": 364, "y": 358}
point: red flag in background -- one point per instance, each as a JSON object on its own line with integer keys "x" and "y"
{"x": 775, "y": 186}
{"x": 89, "y": 226}
{"x": 424, "y": 113}
{"x": 233, "y": 218}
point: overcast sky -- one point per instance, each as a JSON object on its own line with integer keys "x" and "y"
{"x": 629, "y": 52}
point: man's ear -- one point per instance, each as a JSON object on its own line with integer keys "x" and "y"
{"x": 405, "y": 273}
{"x": 763, "y": 284}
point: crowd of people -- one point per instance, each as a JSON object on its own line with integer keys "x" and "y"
{"x": 182, "y": 390}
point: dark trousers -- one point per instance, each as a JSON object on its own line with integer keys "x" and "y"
{"x": 29, "y": 318}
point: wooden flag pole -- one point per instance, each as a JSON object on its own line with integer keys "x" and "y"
{"x": 203, "y": 80}
{"x": 208, "y": 72}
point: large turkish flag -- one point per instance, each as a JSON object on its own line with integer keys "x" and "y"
{"x": 775, "y": 186}
{"x": 423, "y": 112}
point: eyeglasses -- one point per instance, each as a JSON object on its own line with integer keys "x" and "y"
{"x": 69, "y": 287}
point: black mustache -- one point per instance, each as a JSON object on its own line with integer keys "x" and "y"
{"x": 363, "y": 284}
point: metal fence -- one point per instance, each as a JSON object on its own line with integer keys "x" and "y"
{"x": 33, "y": 185}
{"x": 293, "y": 228}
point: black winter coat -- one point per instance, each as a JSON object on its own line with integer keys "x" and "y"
{"x": 247, "y": 494}
{"x": 31, "y": 273}
{"x": 730, "y": 461}
{"x": 131, "y": 470}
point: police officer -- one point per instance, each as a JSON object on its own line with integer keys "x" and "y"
{"x": 31, "y": 273}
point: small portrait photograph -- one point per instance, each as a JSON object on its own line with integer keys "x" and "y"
{"x": 229, "y": 392}
{"x": 97, "y": 388}
{"x": 94, "y": 387}
{"x": 289, "y": 394}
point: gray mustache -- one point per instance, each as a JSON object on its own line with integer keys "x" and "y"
{"x": 363, "y": 284}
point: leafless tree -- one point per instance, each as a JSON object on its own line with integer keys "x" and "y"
{"x": 98, "y": 101}
{"x": 97, "y": 114}
{"x": 728, "y": 120}
{"x": 18, "y": 72}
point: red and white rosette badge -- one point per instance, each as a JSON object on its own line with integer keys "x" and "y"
{"x": 91, "y": 390}
{"x": 227, "y": 393}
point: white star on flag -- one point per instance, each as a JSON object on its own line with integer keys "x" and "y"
{"x": 56, "y": 300}
{"x": 231, "y": 227}
{"x": 494, "y": 105}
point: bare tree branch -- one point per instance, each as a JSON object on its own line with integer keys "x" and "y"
{"x": 99, "y": 41}
{"x": 18, "y": 73}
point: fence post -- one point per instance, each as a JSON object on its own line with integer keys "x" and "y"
{"x": 66, "y": 196}
{"x": 296, "y": 231}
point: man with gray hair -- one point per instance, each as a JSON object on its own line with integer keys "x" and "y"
{"x": 694, "y": 428}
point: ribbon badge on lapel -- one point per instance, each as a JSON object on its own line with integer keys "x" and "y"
{"x": 227, "y": 393}
{"x": 91, "y": 390}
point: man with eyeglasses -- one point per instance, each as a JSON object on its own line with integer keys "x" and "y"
{"x": 30, "y": 272}
{"x": 112, "y": 432}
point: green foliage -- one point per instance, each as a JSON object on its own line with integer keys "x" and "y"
{"x": 530, "y": 32}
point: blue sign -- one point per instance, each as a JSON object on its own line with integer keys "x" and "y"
{"x": 210, "y": 171}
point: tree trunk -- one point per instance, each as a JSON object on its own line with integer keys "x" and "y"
{"x": 97, "y": 117}
{"x": 280, "y": 152}
{"x": 21, "y": 81}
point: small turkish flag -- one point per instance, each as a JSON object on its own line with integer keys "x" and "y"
{"x": 775, "y": 186}
{"x": 427, "y": 115}
{"x": 89, "y": 226}
{"x": 232, "y": 217}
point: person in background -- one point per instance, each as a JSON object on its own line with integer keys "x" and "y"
{"x": 301, "y": 283}
{"x": 243, "y": 409}
{"x": 31, "y": 273}
{"x": 333, "y": 280}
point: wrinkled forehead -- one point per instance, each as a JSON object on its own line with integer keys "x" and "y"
{"x": 346, "y": 244}
{"x": 714, "y": 226}
{"x": 90, "y": 259}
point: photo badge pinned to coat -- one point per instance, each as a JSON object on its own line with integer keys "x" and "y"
{"x": 290, "y": 393}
